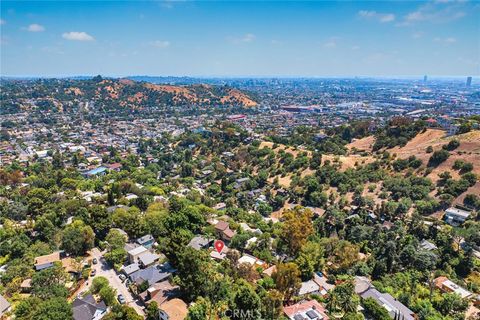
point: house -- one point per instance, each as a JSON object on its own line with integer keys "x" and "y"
{"x": 115, "y": 166}
{"x": 309, "y": 287}
{"x": 446, "y": 285}
{"x": 87, "y": 308}
{"x": 199, "y": 242}
{"x": 160, "y": 292}
{"x": 395, "y": 308}
{"x": 253, "y": 261}
{"x": 220, "y": 206}
{"x": 26, "y": 285}
{"x": 455, "y": 216}
{"x": 223, "y": 231}
{"x": 135, "y": 252}
{"x": 47, "y": 261}
{"x": 4, "y": 306}
{"x": 97, "y": 172}
{"x": 147, "y": 259}
{"x": 427, "y": 245}
{"x": 152, "y": 274}
{"x": 147, "y": 241}
{"x": 306, "y": 309}
{"x": 321, "y": 280}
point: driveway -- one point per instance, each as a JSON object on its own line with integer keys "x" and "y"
{"x": 104, "y": 270}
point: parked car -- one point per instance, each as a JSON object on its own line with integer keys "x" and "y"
{"x": 95, "y": 261}
{"x": 121, "y": 299}
{"x": 122, "y": 277}
{"x": 93, "y": 273}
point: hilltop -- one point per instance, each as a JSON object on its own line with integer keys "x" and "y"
{"x": 55, "y": 94}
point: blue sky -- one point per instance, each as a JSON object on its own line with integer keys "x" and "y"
{"x": 314, "y": 38}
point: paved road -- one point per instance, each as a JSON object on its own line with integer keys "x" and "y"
{"x": 104, "y": 270}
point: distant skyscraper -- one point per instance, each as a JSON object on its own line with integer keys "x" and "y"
{"x": 425, "y": 78}
{"x": 469, "y": 81}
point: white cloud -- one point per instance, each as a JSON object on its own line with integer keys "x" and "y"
{"x": 248, "y": 37}
{"x": 437, "y": 12}
{"x": 34, "y": 27}
{"x": 159, "y": 43}
{"x": 77, "y": 36}
{"x": 2, "y": 22}
{"x": 447, "y": 40}
{"x": 373, "y": 15}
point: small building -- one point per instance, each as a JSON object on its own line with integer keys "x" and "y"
{"x": 446, "y": 285}
{"x": 115, "y": 166}
{"x": 455, "y": 216}
{"x": 223, "y": 231}
{"x": 135, "y": 252}
{"x": 306, "y": 309}
{"x": 26, "y": 286}
{"x": 199, "y": 242}
{"x": 152, "y": 274}
{"x": 47, "y": 261}
{"x": 147, "y": 259}
{"x": 174, "y": 309}
{"x": 97, "y": 172}
{"x": 427, "y": 245}
{"x": 87, "y": 308}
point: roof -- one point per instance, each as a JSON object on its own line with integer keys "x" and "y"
{"x": 446, "y": 284}
{"x": 427, "y": 245}
{"x": 221, "y": 225}
{"x": 296, "y": 311}
{"x": 49, "y": 258}
{"x": 307, "y": 287}
{"x": 96, "y": 171}
{"x": 4, "y": 305}
{"x": 152, "y": 274}
{"x": 199, "y": 242}
{"x": 138, "y": 250}
{"x": 131, "y": 268}
{"x": 86, "y": 307}
{"x": 458, "y": 212}
{"x": 147, "y": 258}
{"x": 392, "y": 305}
{"x": 160, "y": 292}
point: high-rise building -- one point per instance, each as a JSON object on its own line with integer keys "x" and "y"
{"x": 469, "y": 81}
{"x": 424, "y": 78}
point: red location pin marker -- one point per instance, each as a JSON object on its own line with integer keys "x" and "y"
{"x": 219, "y": 245}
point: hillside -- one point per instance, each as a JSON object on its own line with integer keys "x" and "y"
{"x": 58, "y": 95}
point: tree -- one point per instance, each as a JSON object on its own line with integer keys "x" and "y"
{"x": 98, "y": 283}
{"x": 343, "y": 298}
{"x": 297, "y": 227}
{"x": 116, "y": 257}
{"x": 246, "y": 302}
{"x": 194, "y": 273}
{"x": 438, "y": 157}
{"x": 115, "y": 239}
{"x": 287, "y": 279}
{"x": 375, "y": 310}
{"x": 122, "y": 312}
{"x": 152, "y": 311}
{"x": 50, "y": 282}
{"x": 78, "y": 238}
{"x": 107, "y": 294}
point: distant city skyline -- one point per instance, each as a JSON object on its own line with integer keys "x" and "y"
{"x": 241, "y": 39}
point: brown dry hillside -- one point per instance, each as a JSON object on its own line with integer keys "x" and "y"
{"x": 469, "y": 150}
